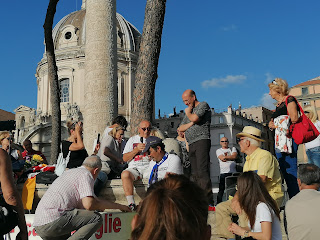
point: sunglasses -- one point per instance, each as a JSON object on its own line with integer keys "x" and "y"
{"x": 144, "y": 129}
{"x": 9, "y": 138}
{"x": 274, "y": 82}
{"x": 306, "y": 112}
{"x": 224, "y": 141}
{"x": 239, "y": 140}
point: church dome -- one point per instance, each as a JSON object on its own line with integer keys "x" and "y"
{"x": 70, "y": 32}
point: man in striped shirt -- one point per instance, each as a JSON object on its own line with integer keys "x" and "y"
{"x": 69, "y": 204}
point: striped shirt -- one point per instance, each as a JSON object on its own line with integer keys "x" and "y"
{"x": 64, "y": 194}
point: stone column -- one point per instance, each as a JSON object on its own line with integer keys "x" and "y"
{"x": 101, "y": 92}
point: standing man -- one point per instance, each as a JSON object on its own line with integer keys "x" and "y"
{"x": 226, "y": 158}
{"x": 70, "y": 203}
{"x": 196, "y": 125}
{"x": 138, "y": 161}
{"x": 302, "y": 211}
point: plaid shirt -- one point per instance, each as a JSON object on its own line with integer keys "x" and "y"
{"x": 64, "y": 194}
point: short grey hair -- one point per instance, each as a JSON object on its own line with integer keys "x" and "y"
{"x": 309, "y": 174}
{"x": 253, "y": 142}
{"x": 92, "y": 161}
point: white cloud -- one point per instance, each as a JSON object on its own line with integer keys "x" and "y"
{"x": 223, "y": 82}
{"x": 228, "y": 28}
{"x": 267, "y": 102}
{"x": 269, "y": 77}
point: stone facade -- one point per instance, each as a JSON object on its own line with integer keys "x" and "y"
{"x": 70, "y": 40}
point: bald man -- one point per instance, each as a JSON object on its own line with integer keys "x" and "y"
{"x": 196, "y": 126}
{"x": 138, "y": 163}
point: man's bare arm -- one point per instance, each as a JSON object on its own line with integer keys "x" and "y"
{"x": 184, "y": 127}
{"x": 130, "y": 155}
{"x": 91, "y": 204}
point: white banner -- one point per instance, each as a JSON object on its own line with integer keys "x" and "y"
{"x": 116, "y": 225}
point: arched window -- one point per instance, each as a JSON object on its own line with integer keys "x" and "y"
{"x": 64, "y": 90}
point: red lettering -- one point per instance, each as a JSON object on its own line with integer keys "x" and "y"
{"x": 117, "y": 225}
{"x": 110, "y": 223}
{"x": 29, "y": 232}
{"x": 34, "y": 232}
{"x": 105, "y": 223}
{"x": 99, "y": 232}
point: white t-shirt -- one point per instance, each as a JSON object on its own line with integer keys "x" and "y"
{"x": 228, "y": 166}
{"x": 140, "y": 161}
{"x": 171, "y": 164}
{"x": 315, "y": 142}
{"x": 263, "y": 214}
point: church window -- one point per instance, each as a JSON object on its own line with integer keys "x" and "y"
{"x": 68, "y": 35}
{"x": 64, "y": 90}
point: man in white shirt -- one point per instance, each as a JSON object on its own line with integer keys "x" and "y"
{"x": 226, "y": 158}
{"x": 162, "y": 162}
{"x": 138, "y": 161}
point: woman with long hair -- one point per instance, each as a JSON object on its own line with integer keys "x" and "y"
{"x": 287, "y": 112}
{"x": 174, "y": 209}
{"x": 261, "y": 209}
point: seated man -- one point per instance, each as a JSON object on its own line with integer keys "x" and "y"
{"x": 69, "y": 204}
{"x": 162, "y": 162}
{"x": 302, "y": 211}
{"x": 264, "y": 164}
{"x": 29, "y": 151}
{"x": 138, "y": 162}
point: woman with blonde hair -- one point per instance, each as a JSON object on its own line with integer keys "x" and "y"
{"x": 174, "y": 209}
{"x": 15, "y": 155}
{"x": 110, "y": 152}
{"x": 74, "y": 144}
{"x": 286, "y": 113}
{"x": 313, "y": 148}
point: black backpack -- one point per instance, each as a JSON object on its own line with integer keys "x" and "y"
{"x": 46, "y": 177}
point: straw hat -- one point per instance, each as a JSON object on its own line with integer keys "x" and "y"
{"x": 251, "y": 132}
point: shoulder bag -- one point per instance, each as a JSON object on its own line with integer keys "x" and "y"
{"x": 61, "y": 162}
{"x": 8, "y": 217}
{"x": 303, "y": 130}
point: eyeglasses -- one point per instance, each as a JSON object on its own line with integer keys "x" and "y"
{"x": 306, "y": 112}
{"x": 224, "y": 141}
{"x": 144, "y": 129}
{"x": 9, "y": 138}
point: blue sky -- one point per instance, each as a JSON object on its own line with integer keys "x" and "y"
{"x": 225, "y": 50}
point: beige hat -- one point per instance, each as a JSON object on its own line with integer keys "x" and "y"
{"x": 251, "y": 132}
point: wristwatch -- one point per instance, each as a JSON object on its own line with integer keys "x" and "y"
{"x": 246, "y": 234}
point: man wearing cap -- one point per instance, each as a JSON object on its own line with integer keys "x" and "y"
{"x": 162, "y": 162}
{"x": 264, "y": 164}
{"x": 138, "y": 161}
{"x": 196, "y": 126}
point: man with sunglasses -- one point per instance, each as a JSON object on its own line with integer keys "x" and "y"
{"x": 138, "y": 161}
{"x": 227, "y": 164}
{"x": 196, "y": 126}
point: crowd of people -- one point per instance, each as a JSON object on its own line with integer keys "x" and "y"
{"x": 179, "y": 185}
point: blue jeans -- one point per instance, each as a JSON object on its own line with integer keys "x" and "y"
{"x": 100, "y": 182}
{"x": 288, "y": 168}
{"x": 314, "y": 156}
